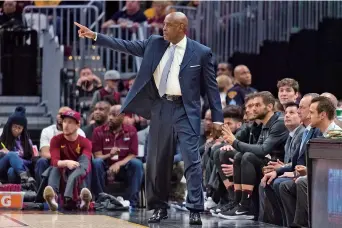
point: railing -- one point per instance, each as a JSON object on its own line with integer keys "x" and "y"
{"x": 231, "y": 26}
{"x": 58, "y": 20}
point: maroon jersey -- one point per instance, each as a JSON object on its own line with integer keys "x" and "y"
{"x": 62, "y": 149}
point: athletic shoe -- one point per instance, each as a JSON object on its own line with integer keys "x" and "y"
{"x": 179, "y": 206}
{"x": 50, "y": 198}
{"x": 239, "y": 212}
{"x": 209, "y": 204}
{"x": 85, "y": 197}
{"x": 223, "y": 208}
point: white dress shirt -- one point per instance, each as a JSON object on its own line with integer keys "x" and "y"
{"x": 172, "y": 84}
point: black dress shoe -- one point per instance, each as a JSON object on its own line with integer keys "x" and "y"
{"x": 195, "y": 218}
{"x": 158, "y": 215}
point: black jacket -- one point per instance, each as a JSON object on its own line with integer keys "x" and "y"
{"x": 249, "y": 133}
{"x": 271, "y": 141}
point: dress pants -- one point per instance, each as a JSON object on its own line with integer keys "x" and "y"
{"x": 294, "y": 196}
{"x": 169, "y": 125}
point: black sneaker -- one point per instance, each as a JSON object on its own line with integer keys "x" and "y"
{"x": 239, "y": 212}
{"x": 223, "y": 208}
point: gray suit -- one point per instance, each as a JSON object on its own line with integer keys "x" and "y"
{"x": 272, "y": 192}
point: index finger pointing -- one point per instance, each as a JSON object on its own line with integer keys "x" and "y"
{"x": 79, "y": 25}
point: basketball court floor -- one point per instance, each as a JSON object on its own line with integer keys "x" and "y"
{"x": 132, "y": 219}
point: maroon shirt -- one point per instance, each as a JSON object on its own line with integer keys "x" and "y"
{"x": 126, "y": 140}
{"x": 62, "y": 149}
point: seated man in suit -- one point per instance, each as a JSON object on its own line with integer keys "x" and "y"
{"x": 292, "y": 146}
{"x": 115, "y": 147}
{"x": 70, "y": 158}
{"x": 286, "y": 172}
{"x": 294, "y": 194}
{"x": 250, "y": 159}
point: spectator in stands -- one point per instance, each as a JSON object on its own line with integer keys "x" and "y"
{"x": 71, "y": 163}
{"x": 45, "y": 138}
{"x": 251, "y": 158}
{"x": 278, "y": 107}
{"x": 224, "y": 68}
{"x": 294, "y": 194}
{"x": 111, "y": 78}
{"x": 100, "y": 116}
{"x": 115, "y": 147}
{"x": 243, "y": 80}
{"x": 287, "y": 90}
{"x": 156, "y": 15}
{"x": 207, "y": 128}
{"x": 16, "y": 149}
{"x": 10, "y": 17}
{"x": 131, "y": 15}
{"x": 88, "y": 83}
{"x": 292, "y": 147}
{"x": 224, "y": 84}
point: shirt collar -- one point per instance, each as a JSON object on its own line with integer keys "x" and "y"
{"x": 181, "y": 44}
{"x": 332, "y": 126}
{"x": 293, "y": 132}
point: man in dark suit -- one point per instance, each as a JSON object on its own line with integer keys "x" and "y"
{"x": 285, "y": 174}
{"x": 167, "y": 91}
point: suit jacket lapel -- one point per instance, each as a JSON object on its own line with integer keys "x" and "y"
{"x": 158, "y": 54}
{"x": 189, "y": 52}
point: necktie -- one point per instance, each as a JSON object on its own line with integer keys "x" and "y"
{"x": 305, "y": 134}
{"x": 288, "y": 154}
{"x": 166, "y": 71}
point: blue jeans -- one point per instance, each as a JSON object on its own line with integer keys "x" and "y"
{"x": 132, "y": 173}
{"x": 41, "y": 165}
{"x": 13, "y": 165}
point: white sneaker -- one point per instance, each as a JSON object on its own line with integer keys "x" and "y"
{"x": 50, "y": 198}
{"x": 209, "y": 204}
{"x": 85, "y": 197}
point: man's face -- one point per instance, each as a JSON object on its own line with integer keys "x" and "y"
{"x": 58, "y": 117}
{"x": 111, "y": 84}
{"x": 171, "y": 28}
{"x": 208, "y": 123}
{"x": 249, "y": 106}
{"x": 316, "y": 118}
{"x": 87, "y": 73}
{"x": 292, "y": 119}
{"x": 115, "y": 119}
{"x": 244, "y": 76}
{"x": 260, "y": 109}
{"x": 101, "y": 112}
{"x": 159, "y": 7}
{"x": 70, "y": 126}
{"x": 304, "y": 108}
{"x": 132, "y": 5}
{"x": 232, "y": 124}
{"x": 286, "y": 94}
{"x": 222, "y": 69}
{"x": 9, "y": 7}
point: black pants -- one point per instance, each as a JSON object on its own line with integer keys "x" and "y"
{"x": 169, "y": 125}
{"x": 248, "y": 169}
{"x": 294, "y": 196}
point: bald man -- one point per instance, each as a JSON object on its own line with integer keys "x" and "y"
{"x": 243, "y": 80}
{"x": 167, "y": 91}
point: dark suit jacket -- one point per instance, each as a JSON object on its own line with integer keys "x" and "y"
{"x": 299, "y": 157}
{"x": 293, "y": 145}
{"x": 196, "y": 71}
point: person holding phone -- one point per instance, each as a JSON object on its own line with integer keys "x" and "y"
{"x": 115, "y": 147}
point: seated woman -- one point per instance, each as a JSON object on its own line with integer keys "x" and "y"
{"x": 16, "y": 152}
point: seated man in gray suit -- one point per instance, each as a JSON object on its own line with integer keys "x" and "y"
{"x": 293, "y": 124}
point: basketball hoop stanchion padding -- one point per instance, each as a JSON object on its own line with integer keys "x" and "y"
{"x": 11, "y": 200}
